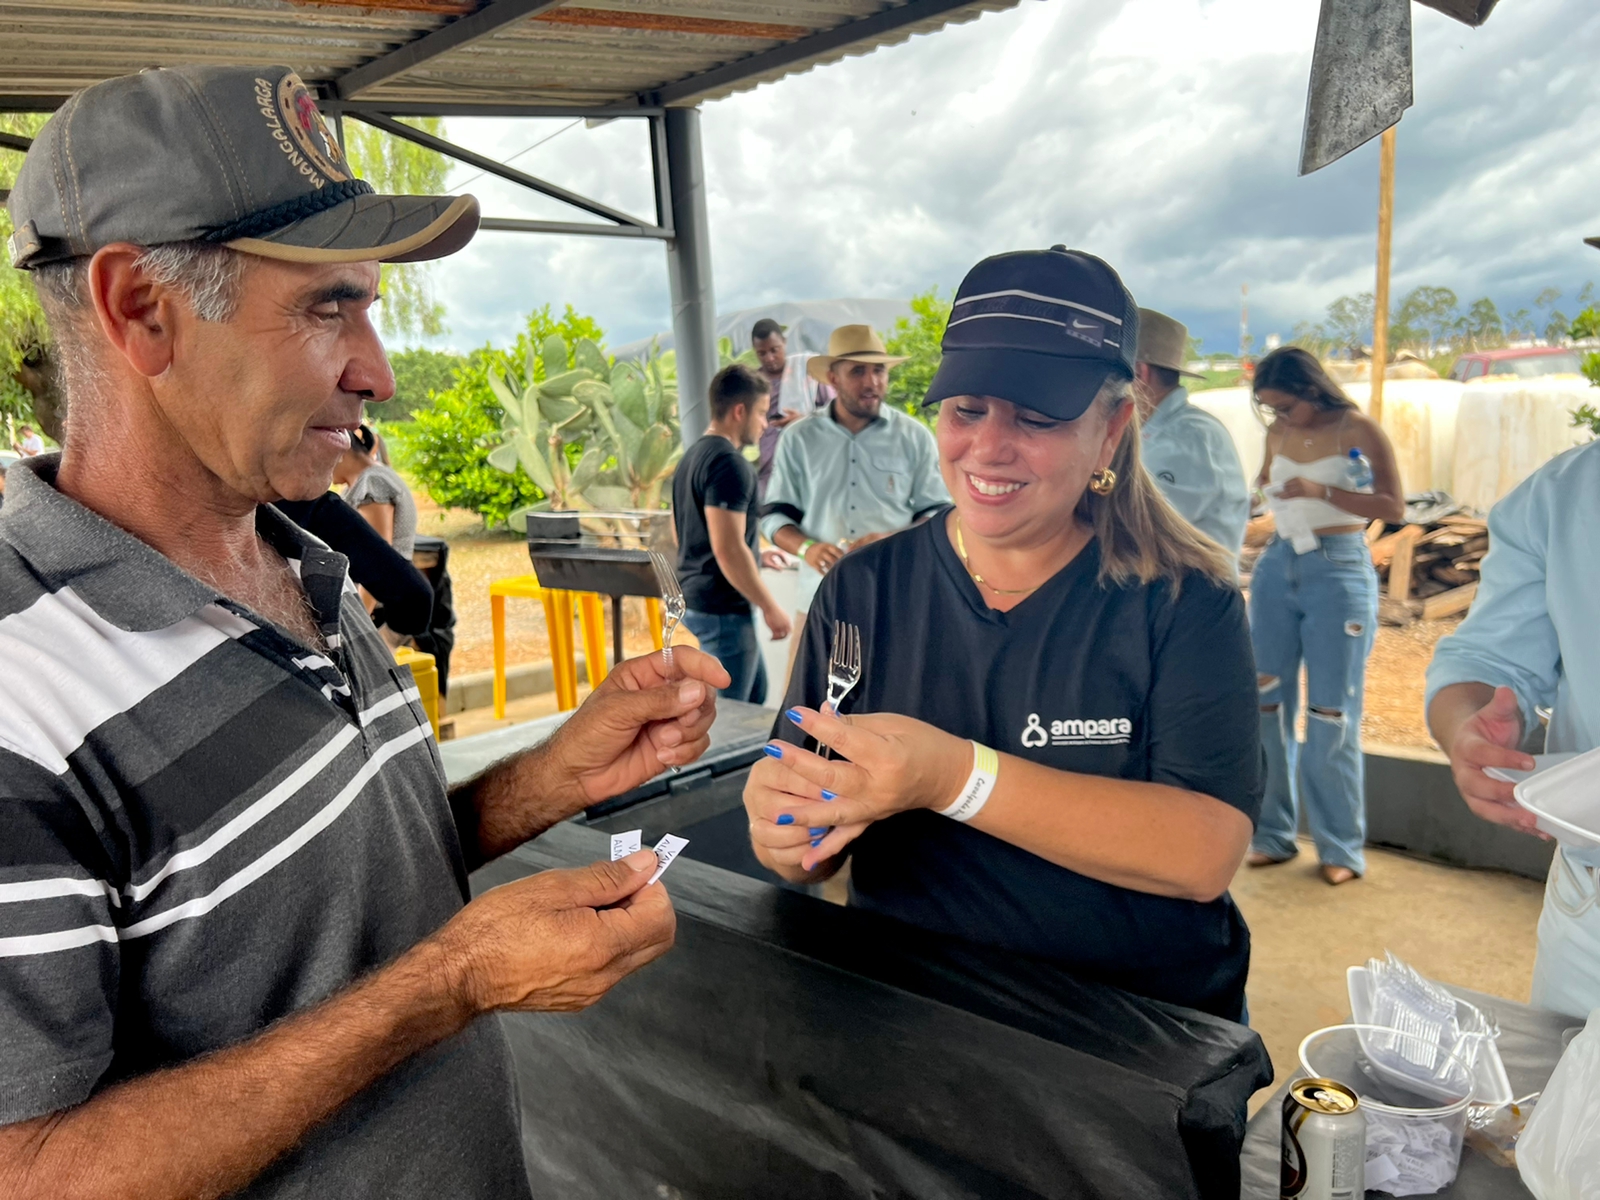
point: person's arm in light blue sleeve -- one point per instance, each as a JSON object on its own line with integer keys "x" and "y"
{"x": 927, "y": 485}
{"x": 1486, "y": 679}
{"x": 786, "y": 490}
{"x": 1508, "y": 639}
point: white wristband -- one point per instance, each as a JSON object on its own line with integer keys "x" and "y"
{"x": 975, "y": 792}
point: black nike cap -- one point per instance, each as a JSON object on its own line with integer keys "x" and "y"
{"x": 238, "y": 156}
{"x": 1043, "y": 329}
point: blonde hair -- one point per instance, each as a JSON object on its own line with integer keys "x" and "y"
{"x": 1141, "y": 535}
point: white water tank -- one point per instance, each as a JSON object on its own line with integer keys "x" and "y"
{"x": 1419, "y": 415}
{"x": 1506, "y": 430}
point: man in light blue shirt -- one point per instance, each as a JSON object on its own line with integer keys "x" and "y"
{"x": 853, "y": 472}
{"x": 1187, "y": 452}
{"x": 1530, "y": 643}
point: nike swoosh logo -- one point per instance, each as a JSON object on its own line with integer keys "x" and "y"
{"x": 1077, "y": 324}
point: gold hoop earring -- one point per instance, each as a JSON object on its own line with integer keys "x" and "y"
{"x": 1101, "y": 483}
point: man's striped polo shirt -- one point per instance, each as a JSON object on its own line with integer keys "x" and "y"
{"x": 206, "y": 826}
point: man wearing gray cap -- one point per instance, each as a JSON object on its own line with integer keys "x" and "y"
{"x": 1188, "y": 452}
{"x": 235, "y": 950}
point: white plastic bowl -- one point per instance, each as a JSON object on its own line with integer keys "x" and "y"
{"x": 1349, "y": 1054}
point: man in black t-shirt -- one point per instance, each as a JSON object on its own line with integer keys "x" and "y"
{"x": 715, "y": 507}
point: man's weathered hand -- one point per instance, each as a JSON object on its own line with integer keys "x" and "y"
{"x": 640, "y": 722}
{"x": 1489, "y": 738}
{"x": 558, "y": 941}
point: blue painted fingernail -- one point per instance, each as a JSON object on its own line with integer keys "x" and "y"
{"x": 773, "y": 751}
{"x": 827, "y": 795}
{"x": 817, "y": 831}
{"x": 794, "y": 715}
{"x": 815, "y": 842}
{"x": 785, "y": 819}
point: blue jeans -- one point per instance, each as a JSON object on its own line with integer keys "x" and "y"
{"x": 1320, "y": 609}
{"x": 731, "y": 639}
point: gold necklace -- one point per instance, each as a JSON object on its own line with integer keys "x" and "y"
{"x": 961, "y": 549}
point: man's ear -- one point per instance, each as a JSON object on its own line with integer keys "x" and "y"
{"x": 136, "y": 314}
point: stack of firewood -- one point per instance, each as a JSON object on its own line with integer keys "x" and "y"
{"x": 1425, "y": 571}
{"x": 1428, "y": 571}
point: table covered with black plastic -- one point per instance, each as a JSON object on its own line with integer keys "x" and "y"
{"x": 790, "y": 1047}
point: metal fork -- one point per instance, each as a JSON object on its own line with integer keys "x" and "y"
{"x": 673, "y": 605}
{"x": 844, "y": 668}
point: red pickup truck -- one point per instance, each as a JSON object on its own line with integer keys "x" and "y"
{"x": 1528, "y": 363}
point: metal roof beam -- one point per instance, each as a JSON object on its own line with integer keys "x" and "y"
{"x": 490, "y": 166}
{"x": 14, "y": 141}
{"x": 468, "y": 108}
{"x": 518, "y": 225}
{"x": 31, "y": 104}
{"x": 685, "y": 91}
{"x": 463, "y": 30}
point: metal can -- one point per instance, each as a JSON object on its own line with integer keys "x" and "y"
{"x": 1324, "y": 1142}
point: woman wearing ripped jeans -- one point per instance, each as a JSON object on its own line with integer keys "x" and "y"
{"x": 1314, "y": 601}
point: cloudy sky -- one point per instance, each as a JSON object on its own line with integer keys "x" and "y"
{"x": 1163, "y": 135}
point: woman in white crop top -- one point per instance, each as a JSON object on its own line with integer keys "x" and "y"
{"x": 1314, "y": 602}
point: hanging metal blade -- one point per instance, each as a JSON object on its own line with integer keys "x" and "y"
{"x": 1472, "y": 12}
{"x": 1360, "y": 77}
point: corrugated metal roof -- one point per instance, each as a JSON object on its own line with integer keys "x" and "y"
{"x": 586, "y": 53}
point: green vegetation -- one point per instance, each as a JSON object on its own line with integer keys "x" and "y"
{"x": 1584, "y": 326}
{"x": 397, "y": 167}
{"x": 27, "y": 378}
{"x": 917, "y": 337}
{"x": 445, "y": 446}
{"x": 1430, "y": 323}
{"x": 418, "y": 374}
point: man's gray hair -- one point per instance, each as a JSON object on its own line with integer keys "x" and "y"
{"x": 208, "y": 276}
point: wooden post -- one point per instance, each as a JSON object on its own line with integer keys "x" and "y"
{"x": 1380, "y": 295}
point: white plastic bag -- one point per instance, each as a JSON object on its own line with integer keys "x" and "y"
{"x": 1558, "y": 1154}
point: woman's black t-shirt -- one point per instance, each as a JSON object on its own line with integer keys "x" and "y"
{"x": 1125, "y": 682}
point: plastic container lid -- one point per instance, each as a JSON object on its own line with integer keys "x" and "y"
{"x": 1566, "y": 800}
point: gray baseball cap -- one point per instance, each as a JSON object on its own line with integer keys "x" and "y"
{"x": 239, "y": 156}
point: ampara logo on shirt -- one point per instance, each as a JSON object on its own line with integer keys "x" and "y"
{"x": 1112, "y": 731}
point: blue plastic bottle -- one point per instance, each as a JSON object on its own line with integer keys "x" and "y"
{"x": 1359, "y": 471}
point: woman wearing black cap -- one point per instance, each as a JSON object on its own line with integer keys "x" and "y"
{"x": 1053, "y": 744}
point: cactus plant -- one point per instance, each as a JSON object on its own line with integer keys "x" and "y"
{"x": 626, "y": 415}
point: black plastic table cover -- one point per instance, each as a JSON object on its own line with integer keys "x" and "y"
{"x": 789, "y": 1047}
{"x": 1530, "y": 1044}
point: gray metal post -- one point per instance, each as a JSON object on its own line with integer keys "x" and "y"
{"x": 689, "y": 270}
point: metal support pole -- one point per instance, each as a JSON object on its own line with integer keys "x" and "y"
{"x": 1380, "y": 294}
{"x": 689, "y": 271}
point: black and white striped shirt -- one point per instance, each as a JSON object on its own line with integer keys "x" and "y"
{"x": 206, "y": 826}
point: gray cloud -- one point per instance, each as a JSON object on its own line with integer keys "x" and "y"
{"x": 1160, "y": 134}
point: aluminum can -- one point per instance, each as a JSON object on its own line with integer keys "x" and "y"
{"x": 1324, "y": 1142}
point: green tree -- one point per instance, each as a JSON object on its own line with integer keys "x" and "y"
{"x": 1482, "y": 327}
{"x": 1425, "y": 320}
{"x": 398, "y": 167}
{"x": 27, "y": 378}
{"x": 917, "y": 337}
{"x": 445, "y": 446}
{"x": 418, "y": 373}
{"x": 1349, "y": 324}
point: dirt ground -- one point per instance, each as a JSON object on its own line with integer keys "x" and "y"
{"x": 1393, "y": 714}
{"x": 477, "y": 558}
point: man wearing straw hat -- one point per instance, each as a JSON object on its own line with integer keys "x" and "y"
{"x": 1187, "y": 451}
{"x": 854, "y": 472}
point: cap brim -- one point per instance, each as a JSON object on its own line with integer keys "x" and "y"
{"x": 367, "y": 228}
{"x": 1052, "y": 384}
{"x": 817, "y": 366}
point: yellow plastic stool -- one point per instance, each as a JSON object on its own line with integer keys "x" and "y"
{"x": 426, "y": 672}
{"x": 558, "y": 614}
